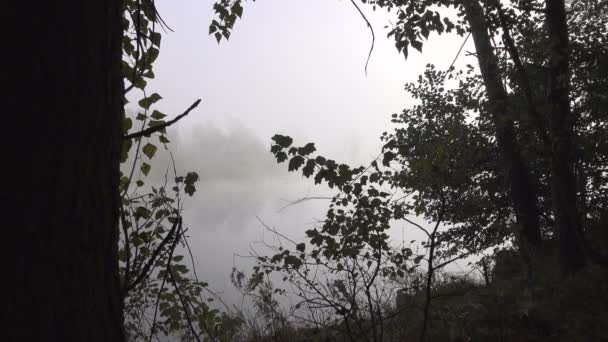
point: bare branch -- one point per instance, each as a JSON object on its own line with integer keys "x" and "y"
{"x": 371, "y": 29}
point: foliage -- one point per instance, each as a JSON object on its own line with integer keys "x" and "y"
{"x": 162, "y": 293}
{"x": 444, "y": 163}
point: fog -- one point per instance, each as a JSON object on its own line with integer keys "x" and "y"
{"x": 291, "y": 67}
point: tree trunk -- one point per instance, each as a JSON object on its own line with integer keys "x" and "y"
{"x": 522, "y": 188}
{"x": 563, "y": 181}
{"x": 64, "y": 111}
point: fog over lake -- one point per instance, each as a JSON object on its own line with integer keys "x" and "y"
{"x": 290, "y": 67}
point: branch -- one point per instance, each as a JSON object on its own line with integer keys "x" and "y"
{"x": 144, "y": 272}
{"x": 371, "y": 29}
{"x": 456, "y": 258}
{"x": 148, "y": 131}
{"x": 302, "y": 200}
{"x": 524, "y": 81}
{"x": 459, "y": 51}
{"x": 425, "y": 231}
{"x": 172, "y": 249}
{"x": 184, "y": 303}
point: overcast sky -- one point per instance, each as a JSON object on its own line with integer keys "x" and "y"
{"x": 293, "y": 67}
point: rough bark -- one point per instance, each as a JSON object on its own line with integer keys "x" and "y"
{"x": 522, "y": 188}
{"x": 563, "y": 181}
{"x": 65, "y": 108}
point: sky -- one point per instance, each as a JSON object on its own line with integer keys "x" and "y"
{"x": 292, "y": 67}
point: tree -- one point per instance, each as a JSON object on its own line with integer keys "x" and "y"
{"x": 67, "y": 284}
{"x": 552, "y": 126}
{"x": 63, "y": 231}
{"x": 511, "y": 148}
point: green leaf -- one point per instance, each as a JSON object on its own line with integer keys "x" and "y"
{"x": 163, "y": 139}
{"x": 148, "y": 74}
{"x": 124, "y": 180}
{"x": 149, "y": 150}
{"x": 156, "y": 115}
{"x": 143, "y": 212}
{"x": 154, "y": 123}
{"x": 124, "y": 150}
{"x": 152, "y": 55}
{"x": 155, "y": 38}
{"x": 146, "y": 102}
{"x": 301, "y": 247}
{"x": 237, "y": 9}
{"x": 145, "y": 168}
{"x": 140, "y": 83}
{"x": 127, "y": 123}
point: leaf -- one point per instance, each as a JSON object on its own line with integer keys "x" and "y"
{"x": 425, "y": 32}
{"x": 237, "y": 9}
{"x": 146, "y": 102}
{"x": 309, "y": 169}
{"x": 301, "y": 247}
{"x": 156, "y": 115}
{"x": 149, "y": 150}
{"x": 388, "y": 157}
{"x": 124, "y": 150}
{"x": 163, "y": 139}
{"x": 295, "y": 163}
{"x": 152, "y": 55}
{"x": 145, "y": 168}
{"x": 155, "y": 38}
{"x": 282, "y": 140}
{"x": 140, "y": 83}
{"x": 127, "y": 123}
{"x": 292, "y": 260}
{"x": 281, "y": 157}
{"x": 143, "y": 212}
{"x": 191, "y": 178}
{"x": 190, "y": 189}
{"x": 416, "y": 45}
{"x": 307, "y": 149}
{"x": 274, "y": 149}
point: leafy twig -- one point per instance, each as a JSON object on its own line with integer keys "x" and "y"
{"x": 148, "y": 131}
